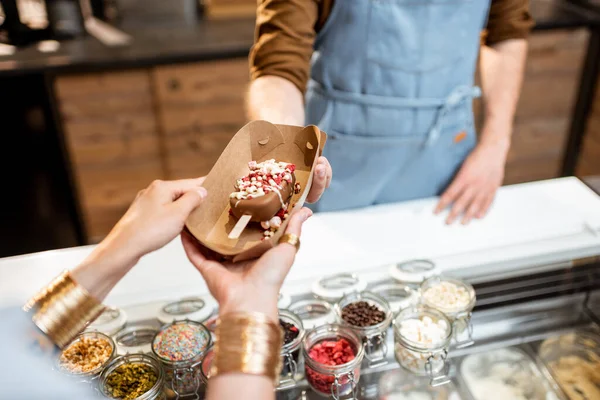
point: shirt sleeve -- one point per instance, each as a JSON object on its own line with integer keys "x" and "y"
{"x": 508, "y": 19}
{"x": 28, "y": 370}
{"x": 284, "y": 39}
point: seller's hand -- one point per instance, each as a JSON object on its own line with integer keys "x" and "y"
{"x": 321, "y": 180}
{"x": 473, "y": 189}
{"x": 251, "y": 285}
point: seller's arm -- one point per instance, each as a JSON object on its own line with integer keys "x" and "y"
{"x": 279, "y": 69}
{"x": 280, "y": 60}
{"x": 502, "y": 63}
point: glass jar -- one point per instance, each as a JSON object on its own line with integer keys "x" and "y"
{"x": 291, "y": 360}
{"x": 573, "y": 360}
{"x": 156, "y": 392}
{"x": 206, "y": 365}
{"x": 374, "y": 336}
{"x": 197, "y": 309}
{"x": 457, "y": 306}
{"x": 419, "y": 357}
{"x": 93, "y": 374}
{"x": 313, "y": 313}
{"x": 334, "y": 287}
{"x": 180, "y": 346}
{"x": 333, "y": 380}
{"x": 135, "y": 339}
{"x": 398, "y": 295}
{"x": 510, "y": 371}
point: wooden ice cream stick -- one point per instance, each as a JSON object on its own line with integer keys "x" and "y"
{"x": 240, "y": 226}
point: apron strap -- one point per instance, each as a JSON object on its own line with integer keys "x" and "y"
{"x": 457, "y": 96}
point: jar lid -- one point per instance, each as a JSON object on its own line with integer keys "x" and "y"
{"x": 135, "y": 339}
{"x": 313, "y": 312}
{"x": 334, "y": 287}
{"x": 406, "y": 385}
{"x": 197, "y": 308}
{"x": 413, "y": 271}
{"x": 111, "y": 321}
{"x": 398, "y": 295}
{"x": 283, "y": 300}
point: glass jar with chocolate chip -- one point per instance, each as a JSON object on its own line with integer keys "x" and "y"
{"x": 456, "y": 300}
{"x": 332, "y": 357}
{"x": 133, "y": 377}
{"x": 181, "y": 346}
{"x": 86, "y": 356}
{"x": 369, "y": 315}
{"x": 293, "y": 332}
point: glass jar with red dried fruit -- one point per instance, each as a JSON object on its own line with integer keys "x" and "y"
{"x": 370, "y": 316}
{"x": 332, "y": 358}
{"x": 292, "y": 369}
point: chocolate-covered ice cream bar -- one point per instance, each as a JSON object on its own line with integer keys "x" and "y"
{"x": 264, "y": 192}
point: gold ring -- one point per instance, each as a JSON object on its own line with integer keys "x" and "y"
{"x": 292, "y": 239}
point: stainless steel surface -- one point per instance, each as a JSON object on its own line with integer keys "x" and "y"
{"x": 518, "y": 310}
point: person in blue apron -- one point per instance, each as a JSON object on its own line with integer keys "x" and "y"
{"x": 392, "y": 83}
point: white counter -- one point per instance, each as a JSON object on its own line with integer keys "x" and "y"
{"x": 529, "y": 225}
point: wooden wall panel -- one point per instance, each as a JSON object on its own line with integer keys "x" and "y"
{"x": 111, "y": 133}
{"x": 200, "y": 107}
{"x": 547, "y": 100}
{"x": 589, "y": 161}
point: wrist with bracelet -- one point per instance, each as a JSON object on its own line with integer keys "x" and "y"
{"x": 247, "y": 343}
{"x": 63, "y": 309}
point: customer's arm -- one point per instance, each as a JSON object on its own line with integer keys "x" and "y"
{"x": 156, "y": 217}
{"x": 249, "y": 290}
{"x": 502, "y": 64}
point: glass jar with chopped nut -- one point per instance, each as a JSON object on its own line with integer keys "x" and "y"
{"x": 86, "y": 356}
{"x": 456, "y": 300}
{"x": 133, "y": 377}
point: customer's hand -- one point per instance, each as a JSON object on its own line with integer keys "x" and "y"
{"x": 252, "y": 285}
{"x": 321, "y": 180}
{"x": 156, "y": 216}
{"x": 473, "y": 189}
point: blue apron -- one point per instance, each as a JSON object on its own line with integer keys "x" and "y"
{"x": 392, "y": 85}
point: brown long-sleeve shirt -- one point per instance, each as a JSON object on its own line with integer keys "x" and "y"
{"x": 286, "y": 31}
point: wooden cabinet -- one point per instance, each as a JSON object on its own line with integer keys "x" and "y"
{"x": 544, "y": 112}
{"x": 589, "y": 161}
{"x": 199, "y": 107}
{"x": 125, "y": 129}
{"x": 112, "y": 138}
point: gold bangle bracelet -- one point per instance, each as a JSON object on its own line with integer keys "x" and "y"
{"x": 63, "y": 309}
{"x": 247, "y": 343}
